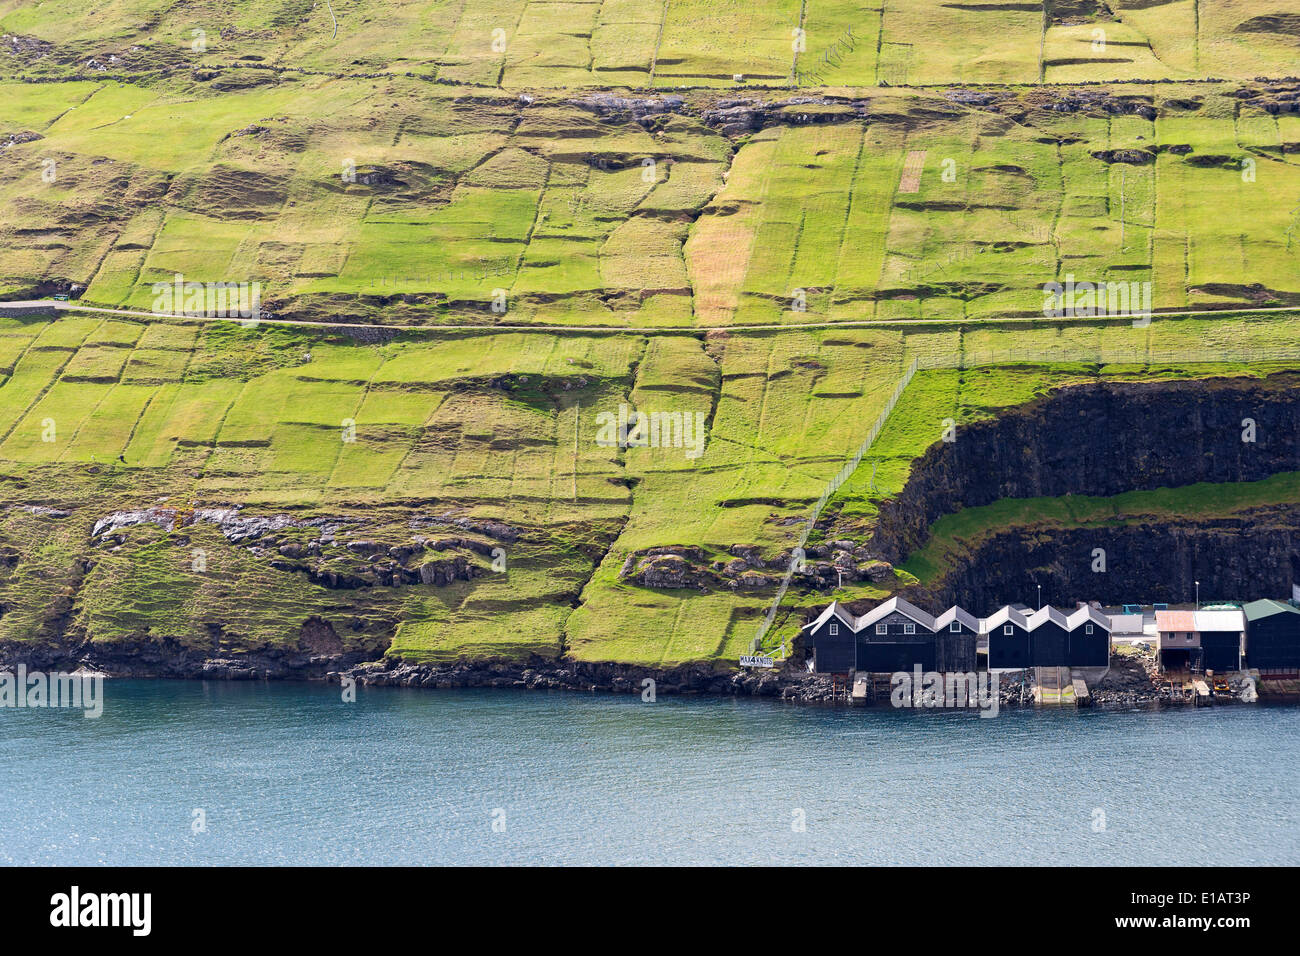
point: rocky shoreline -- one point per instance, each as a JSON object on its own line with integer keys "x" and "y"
{"x": 1126, "y": 687}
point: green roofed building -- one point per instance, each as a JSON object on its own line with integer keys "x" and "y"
{"x": 1273, "y": 638}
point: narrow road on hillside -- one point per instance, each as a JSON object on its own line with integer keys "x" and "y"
{"x": 33, "y": 306}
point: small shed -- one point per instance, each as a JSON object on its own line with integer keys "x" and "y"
{"x": 1127, "y": 628}
{"x": 956, "y": 634}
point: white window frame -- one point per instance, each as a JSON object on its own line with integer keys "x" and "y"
{"x": 1007, "y": 629}
{"x": 882, "y": 628}
{"x": 835, "y": 629}
{"x": 1087, "y": 628}
{"x": 909, "y": 628}
{"x": 955, "y": 626}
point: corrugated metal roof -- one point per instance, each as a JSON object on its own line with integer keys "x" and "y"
{"x": 1126, "y": 623}
{"x": 1220, "y": 620}
{"x": 1267, "y": 608}
{"x": 1175, "y": 621}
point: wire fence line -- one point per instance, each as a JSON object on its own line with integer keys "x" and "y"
{"x": 797, "y": 555}
{"x": 1001, "y": 357}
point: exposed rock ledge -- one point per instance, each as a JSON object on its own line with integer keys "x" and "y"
{"x": 680, "y": 566}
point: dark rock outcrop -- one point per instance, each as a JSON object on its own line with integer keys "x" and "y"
{"x": 1102, "y": 440}
{"x": 1133, "y": 157}
{"x": 788, "y": 683}
{"x": 668, "y": 568}
{"x": 1146, "y": 561}
{"x": 319, "y": 652}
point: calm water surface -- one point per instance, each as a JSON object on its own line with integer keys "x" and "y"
{"x": 288, "y": 773}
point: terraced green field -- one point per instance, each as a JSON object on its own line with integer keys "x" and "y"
{"x": 497, "y": 427}
{"x": 468, "y": 209}
{"x": 604, "y": 181}
{"x": 672, "y": 43}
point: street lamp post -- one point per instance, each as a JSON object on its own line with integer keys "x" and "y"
{"x": 1198, "y": 595}
{"x": 1040, "y": 597}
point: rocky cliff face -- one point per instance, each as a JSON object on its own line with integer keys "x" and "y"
{"x": 1102, "y": 439}
{"x": 1239, "y": 557}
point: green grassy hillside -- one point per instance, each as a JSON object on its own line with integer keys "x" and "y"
{"x": 392, "y": 201}
{"x": 671, "y": 43}
{"x": 650, "y": 182}
{"x": 394, "y": 443}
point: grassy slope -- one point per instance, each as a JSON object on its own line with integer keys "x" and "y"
{"x": 558, "y": 211}
{"x": 236, "y": 173}
{"x": 481, "y": 426}
{"x": 513, "y": 43}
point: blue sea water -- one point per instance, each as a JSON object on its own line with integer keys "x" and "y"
{"x": 290, "y": 773}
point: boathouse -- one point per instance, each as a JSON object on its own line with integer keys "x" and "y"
{"x": 1089, "y": 631}
{"x": 1223, "y": 638}
{"x": 1213, "y": 639}
{"x": 1178, "y": 646}
{"x": 956, "y": 635}
{"x": 894, "y": 636}
{"x": 1008, "y": 638}
{"x": 1049, "y": 638}
{"x": 832, "y": 640}
{"x": 1273, "y": 639}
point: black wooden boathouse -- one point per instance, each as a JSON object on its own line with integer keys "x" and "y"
{"x": 896, "y": 636}
{"x": 899, "y": 636}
